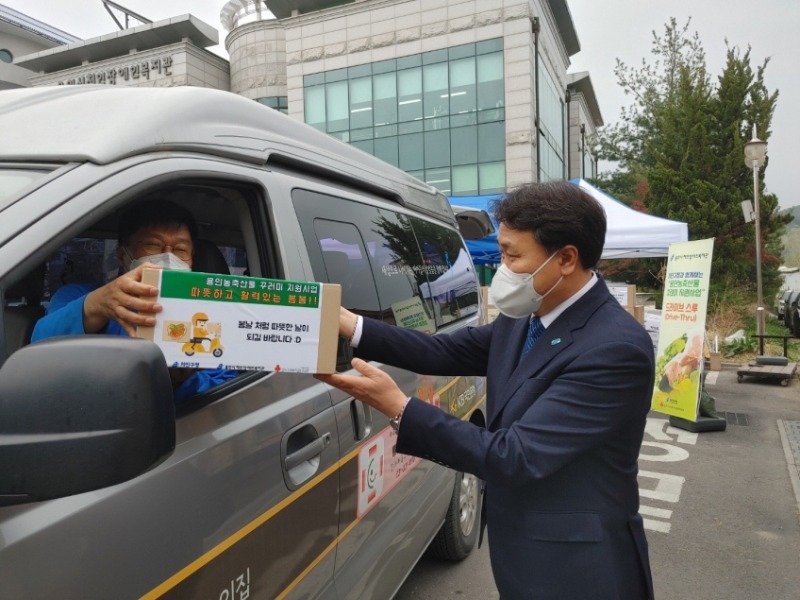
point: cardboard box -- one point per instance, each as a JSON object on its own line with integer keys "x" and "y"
{"x": 624, "y": 293}
{"x": 242, "y": 323}
{"x": 637, "y": 311}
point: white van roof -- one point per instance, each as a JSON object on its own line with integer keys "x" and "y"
{"x": 103, "y": 124}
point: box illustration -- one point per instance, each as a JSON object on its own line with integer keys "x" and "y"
{"x": 211, "y": 321}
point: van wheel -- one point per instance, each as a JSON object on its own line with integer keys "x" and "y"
{"x": 459, "y": 531}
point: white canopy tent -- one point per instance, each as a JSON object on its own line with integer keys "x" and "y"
{"x": 629, "y": 234}
{"x": 634, "y": 234}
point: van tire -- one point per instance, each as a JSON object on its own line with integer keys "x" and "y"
{"x": 456, "y": 539}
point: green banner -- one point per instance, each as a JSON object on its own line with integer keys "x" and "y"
{"x": 186, "y": 285}
{"x": 679, "y": 358}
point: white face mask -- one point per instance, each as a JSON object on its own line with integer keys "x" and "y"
{"x": 513, "y": 293}
{"x": 165, "y": 260}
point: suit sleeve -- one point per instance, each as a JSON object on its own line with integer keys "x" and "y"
{"x": 464, "y": 352}
{"x": 586, "y": 404}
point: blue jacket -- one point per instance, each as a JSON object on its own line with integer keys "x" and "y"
{"x": 560, "y": 448}
{"x": 64, "y": 316}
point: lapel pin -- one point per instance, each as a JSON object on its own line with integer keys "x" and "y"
{"x": 555, "y": 341}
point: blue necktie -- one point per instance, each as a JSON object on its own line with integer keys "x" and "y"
{"x": 535, "y": 329}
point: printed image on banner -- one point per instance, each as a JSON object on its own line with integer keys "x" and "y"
{"x": 238, "y": 323}
{"x": 679, "y": 357}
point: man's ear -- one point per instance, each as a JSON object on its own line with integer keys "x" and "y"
{"x": 569, "y": 259}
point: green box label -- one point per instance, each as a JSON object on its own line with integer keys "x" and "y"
{"x": 186, "y": 285}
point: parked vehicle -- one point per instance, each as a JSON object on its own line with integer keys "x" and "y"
{"x": 790, "y": 316}
{"x": 273, "y": 484}
{"x": 780, "y": 308}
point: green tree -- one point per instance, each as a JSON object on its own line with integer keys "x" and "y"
{"x": 684, "y": 136}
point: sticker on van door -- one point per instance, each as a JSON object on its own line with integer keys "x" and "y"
{"x": 378, "y": 472}
{"x": 370, "y": 475}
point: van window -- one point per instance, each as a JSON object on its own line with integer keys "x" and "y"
{"x": 404, "y": 270}
{"x": 91, "y": 259}
{"x": 15, "y": 180}
{"x": 452, "y": 282}
{"x": 344, "y": 256}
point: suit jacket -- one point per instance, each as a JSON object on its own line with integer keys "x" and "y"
{"x": 559, "y": 453}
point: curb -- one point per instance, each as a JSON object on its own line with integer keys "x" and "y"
{"x": 794, "y": 469}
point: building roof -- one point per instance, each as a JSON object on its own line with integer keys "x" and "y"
{"x": 565, "y": 26}
{"x": 282, "y": 9}
{"x": 120, "y": 43}
{"x": 34, "y": 27}
{"x": 582, "y": 83}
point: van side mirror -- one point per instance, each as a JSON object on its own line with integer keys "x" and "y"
{"x": 473, "y": 223}
{"x": 82, "y": 413}
{"x": 344, "y": 355}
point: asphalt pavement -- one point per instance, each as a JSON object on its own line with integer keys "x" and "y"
{"x": 721, "y": 508}
{"x": 732, "y": 526}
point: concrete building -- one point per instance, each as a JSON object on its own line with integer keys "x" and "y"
{"x": 584, "y": 118}
{"x": 469, "y": 96}
{"x": 166, "y": 53}
{"x": 472, "y": 97}
{"x": 21, "y": 35}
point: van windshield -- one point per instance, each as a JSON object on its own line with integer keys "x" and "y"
{"x": 12, "y": 181}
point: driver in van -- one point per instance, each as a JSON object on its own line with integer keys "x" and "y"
{"x": 154, "y": 233}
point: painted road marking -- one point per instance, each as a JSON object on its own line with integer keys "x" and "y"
{"x": 662, "y": 487}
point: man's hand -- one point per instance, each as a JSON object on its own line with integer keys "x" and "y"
{"x": 125, "y": 300}
{"x": 373, "y": 387}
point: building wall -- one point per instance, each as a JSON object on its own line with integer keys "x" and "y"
{"x": 258, "y": 60}
{"x": 12, "y": 75}
{"x": 582, "y": 144}
{"x": 376, "y": 30}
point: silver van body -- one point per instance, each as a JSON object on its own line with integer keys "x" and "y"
{"x": 272, "y": 485}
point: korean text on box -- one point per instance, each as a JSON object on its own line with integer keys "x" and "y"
{"x": 242, "y": 323}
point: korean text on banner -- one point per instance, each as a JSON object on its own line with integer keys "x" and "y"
{"x": 241, "y": 323}
{"x": 679, "y": 358}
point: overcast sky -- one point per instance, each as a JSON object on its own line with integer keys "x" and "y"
{"x": 607, "y": 30}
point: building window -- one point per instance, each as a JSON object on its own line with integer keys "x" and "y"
{"x": 279, "y": 103}
{"x": 6, "y": 56}
{"x": 439, "y": 115}
{"x": 551, "y": 127}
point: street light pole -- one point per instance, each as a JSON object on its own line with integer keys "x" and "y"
{"x": 755, "y": 152}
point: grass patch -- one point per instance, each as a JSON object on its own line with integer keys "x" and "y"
{"x": 729, "y": 314}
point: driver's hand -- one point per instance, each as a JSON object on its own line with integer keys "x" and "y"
{"x": 125, "y": 300}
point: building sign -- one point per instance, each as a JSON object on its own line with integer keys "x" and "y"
{"x": 679, "y": 359}
{"x": 142, "y": 70}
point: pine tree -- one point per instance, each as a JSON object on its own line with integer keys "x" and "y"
{"x": 683, "y": 139}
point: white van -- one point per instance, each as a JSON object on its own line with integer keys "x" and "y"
{"x": 271, "y": 485}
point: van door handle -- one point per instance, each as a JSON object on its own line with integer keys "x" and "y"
{"x": 362, "y": 419}
{"x": 307, "y": 452}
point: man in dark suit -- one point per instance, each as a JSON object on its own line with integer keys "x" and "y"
{"x": 566, "y": 409}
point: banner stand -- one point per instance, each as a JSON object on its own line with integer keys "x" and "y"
{"x": 680, "y": 355}
{"x": 702, "y": 424}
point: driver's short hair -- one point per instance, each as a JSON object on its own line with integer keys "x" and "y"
{"x": 154, "y": 212}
